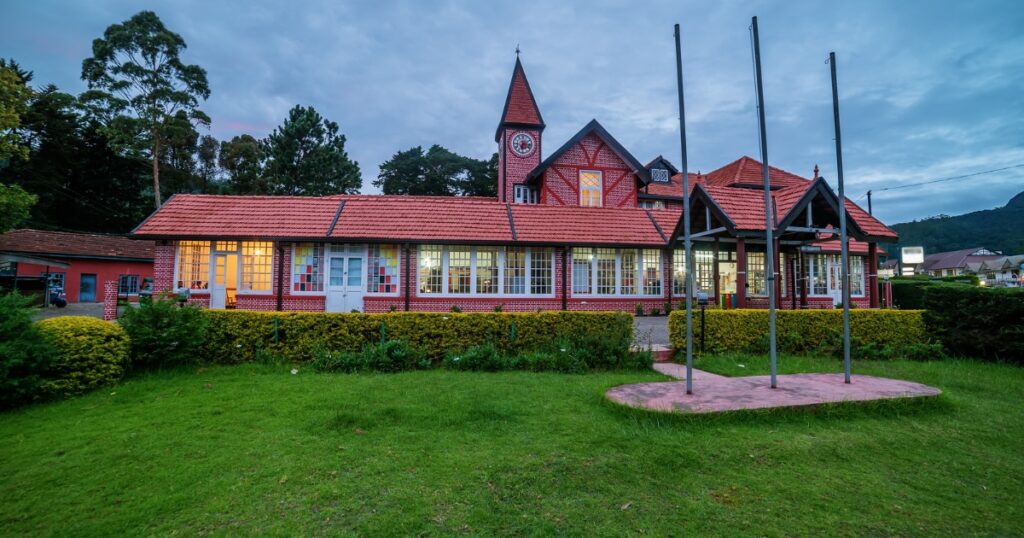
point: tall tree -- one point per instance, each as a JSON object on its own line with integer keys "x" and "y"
{"x": 14, "y": 206}
{"x": 206, "y": 158}
{"x": 306, "y": 155}
{"x": 241, "y": 158}
{"x": 14, "y": 98}
{"x": 437, "y": 172}
{"x": 138, "y": 82}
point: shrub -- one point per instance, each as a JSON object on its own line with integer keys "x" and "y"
{"x": 482, "y": 358}
{"x": 24, "y": 353}
{"x": 389, "y": 356}
{"x": 799, "y": 331}
{"x": 655, "y": 311}
{"x": 89, "y": 353}
{"x": 639, "y": 309}
{"x": 234, "y": 336}
{"x": 456, "y": 309}
{"x": 564, "y": 362}
{"x": 325, "y": 360}
{"x": 980, "y": 322}
{"x": 164, "y": 333}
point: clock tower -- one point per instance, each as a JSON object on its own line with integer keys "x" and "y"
{"x": 518, "y": 137}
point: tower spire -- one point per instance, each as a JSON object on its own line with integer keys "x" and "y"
{"x": 520, "y": 106}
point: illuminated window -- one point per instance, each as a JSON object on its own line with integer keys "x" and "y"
{"x": 226, "y": 246}
{"x": 819, "y": 274}
{"x": 193, "y": 265}
{"x": 628, "y": 272}
{"x": 652, "y": 204}
{"x": 515, "y": 270}
{"x": 651, "y": 271}
{"x": 704, "y": 270}
{"x": 605, "y": 261}
{"x": 581, "y": 263}
{"x": 857, "y": 275}
{"x": 540, "y": 271}
{"x": 590, "y": 188}
{"x": 756, "y": 283}
{"x": 679, "y": 272}
{"x": 431, "y": 269}
{"x": 308, "y": 267}
{"x": 257, "y": 258}
{"x": 486, "y": 270}
{"x": 460, "y": 268}
{"x": 382, "y": 269}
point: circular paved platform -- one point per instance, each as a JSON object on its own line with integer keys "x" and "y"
{"x": 715, "y": 393}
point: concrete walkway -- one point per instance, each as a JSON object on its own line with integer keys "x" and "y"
{"x": 714, "y": 393}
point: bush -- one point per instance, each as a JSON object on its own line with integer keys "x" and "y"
{"x": 390, "y": 356}
{"x": 979, "y": 322}
{"x": 24, "y": 352}
{"x": 799, "y": 331}
{"x": 164, "y": 333}
{"x": 234, "y": 336}
{"x": 482, "y": 358}
{"x": 552, "y": 361}
{"x": 90, "y": 353}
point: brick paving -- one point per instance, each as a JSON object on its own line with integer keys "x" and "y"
{"x": 714, "y": 393}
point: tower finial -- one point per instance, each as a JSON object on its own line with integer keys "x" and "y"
{"x": 815, "y": 171}
{"x": 517, "y": 50}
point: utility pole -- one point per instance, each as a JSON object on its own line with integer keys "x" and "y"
{"x": 688, "y": 278}
{"x": 843, "y": 249}
{"x": 769, "y": 262}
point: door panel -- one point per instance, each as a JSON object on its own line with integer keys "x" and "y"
{"x": 87, "y": 289}
{"x": 345, "y": 282}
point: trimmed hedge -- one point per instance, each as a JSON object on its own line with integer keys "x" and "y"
{"x": 237, "y": 336}
{"x": 798, "y": 331}
{"x": 90, "y": 353}
{"x": 908, "y": 292}
{"x": 978, "y": 322}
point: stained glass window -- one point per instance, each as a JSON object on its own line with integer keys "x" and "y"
{"x": 308, "y": 267}
{"x": 383, "y": 269}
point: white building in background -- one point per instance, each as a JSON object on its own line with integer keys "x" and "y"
{"x": 1001, "y": 272}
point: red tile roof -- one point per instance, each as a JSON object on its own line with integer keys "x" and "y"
{"x": 75, "y": 244}
{"x": 748, "y": 171}
{"x": 587, "y": 225}
{"x": 208, "y": 215}
{"x": 520, "y": 106}
{"x": 423, "y": 218}
{"x": 868, "y": 223}
{"x": 745, "y": 207}
{"x": 673, "y": 188}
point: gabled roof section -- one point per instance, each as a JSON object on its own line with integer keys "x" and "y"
{"x": 520, "y": 106}
{"x": 596, "y": 128}
{"x": 589, "y": 225}
{"x": 662, "y": 162}
{"x": 748, "y": 171}
{"x": 243, "y": 217}
{"x": 423, "y": 218}
{"x": 74, "y": 244}
{"x": 673, "y": 190}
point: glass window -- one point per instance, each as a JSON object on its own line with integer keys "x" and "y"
{"x": 857, "y": 275}
{"x": 257, "y": 257}
{"x": 128, "y": 285}
{"x": 486, "y": 270}
{"x": 781, "y": 271}
{"x": 590, "y": 188}
{"x": 382, "y": 269}
{"x": 660, "y": 175}
{"x": 308, "y": 267}
{"x": 629, "y": 266}
{"x": 193, "y": 265}
{"x": 460, "y": 260}
{"x": 337, "y": 275}
{"x": 431, "y": 271}
{"x": 581, "y": 264}
{"x": 652, "y": 272}
{"x": 819, "y": 274}
{"x": 515, "y": 270}
{"x": 652, "y": 204}
{"x": 605, "y": 261}
{"x": 756, "y": 284}
{"x": 524, "y": 194}
{"x": 540, "y": 271}
{"x": 679, "y": 272}
{"x": 54, "y": 280}
{"x": 704, "y": 270}
{"x": 355, "y": 273}
{"x": 226, "y": 246}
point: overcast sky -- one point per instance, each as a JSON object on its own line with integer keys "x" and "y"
{"x": 928, "y": 89}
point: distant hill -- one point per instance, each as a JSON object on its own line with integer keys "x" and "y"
{"x": 996, "y": 229}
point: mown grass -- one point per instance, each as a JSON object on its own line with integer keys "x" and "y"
{"x": 255, "y": 449}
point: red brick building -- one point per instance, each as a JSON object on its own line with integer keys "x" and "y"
{"x": 79, "y": 262}
{"x": 586, "y": 228}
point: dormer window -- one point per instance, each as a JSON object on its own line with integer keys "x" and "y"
{"x": 660, "y": 175}
{"x": 590, "y": 188}
{"x": 524, "y": 195}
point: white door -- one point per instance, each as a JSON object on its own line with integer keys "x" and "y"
{"x": 345, "y": 274}
{"x": 835, "y": 282}
{"x": 220, "y": 281}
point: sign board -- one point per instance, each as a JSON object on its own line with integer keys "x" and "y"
{"x": 910, "y": 255}
{"x": 810, "y": 248}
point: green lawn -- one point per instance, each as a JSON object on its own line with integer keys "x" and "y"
{"x": 240, "y": 450}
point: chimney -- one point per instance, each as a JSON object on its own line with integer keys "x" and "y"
{"x": 815, "y": 171}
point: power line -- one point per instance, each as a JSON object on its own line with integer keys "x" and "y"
{"x": 930, "y": 181}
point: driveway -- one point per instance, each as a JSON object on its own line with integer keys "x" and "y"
{"x": 650, "y": 330}
{"x": 94, "y": 310}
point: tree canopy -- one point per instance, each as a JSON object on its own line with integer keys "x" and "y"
{"x": 143, "y": 93}
{"x": 306, "y": 156}
{"x": 437, "y": 172}
{"x": 14, "y": 98}
{"x": 14, "y": 206}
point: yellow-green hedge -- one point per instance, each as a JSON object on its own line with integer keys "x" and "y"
{"x": 743, "y": 330}
{"x": 237, "y": 336}
{"x": 90, "y": 353}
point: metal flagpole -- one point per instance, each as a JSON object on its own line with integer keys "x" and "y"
{"x": 769, "y": 265}
{"x": 686, "y": 221}
{"x": 843, "y": 248}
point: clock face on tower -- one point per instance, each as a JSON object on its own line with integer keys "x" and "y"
{"x": 522, "y": 144}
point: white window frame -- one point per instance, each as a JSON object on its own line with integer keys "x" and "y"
{"x": 663, "y": 172}
{"x": 812, "y": 272}
{"x": 599, "y": 187}
{"x": 120, "y": 281}
{"x": 619, "y": 269}
{"x": 501, "y": 293}
{"x": 524, "y": 194}
{"x": 209, "y": 268}
{"x": 651, "y": 204}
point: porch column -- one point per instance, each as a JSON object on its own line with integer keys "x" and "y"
{"x": 872, "y": 273}
{"x": 741, "y": 273}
